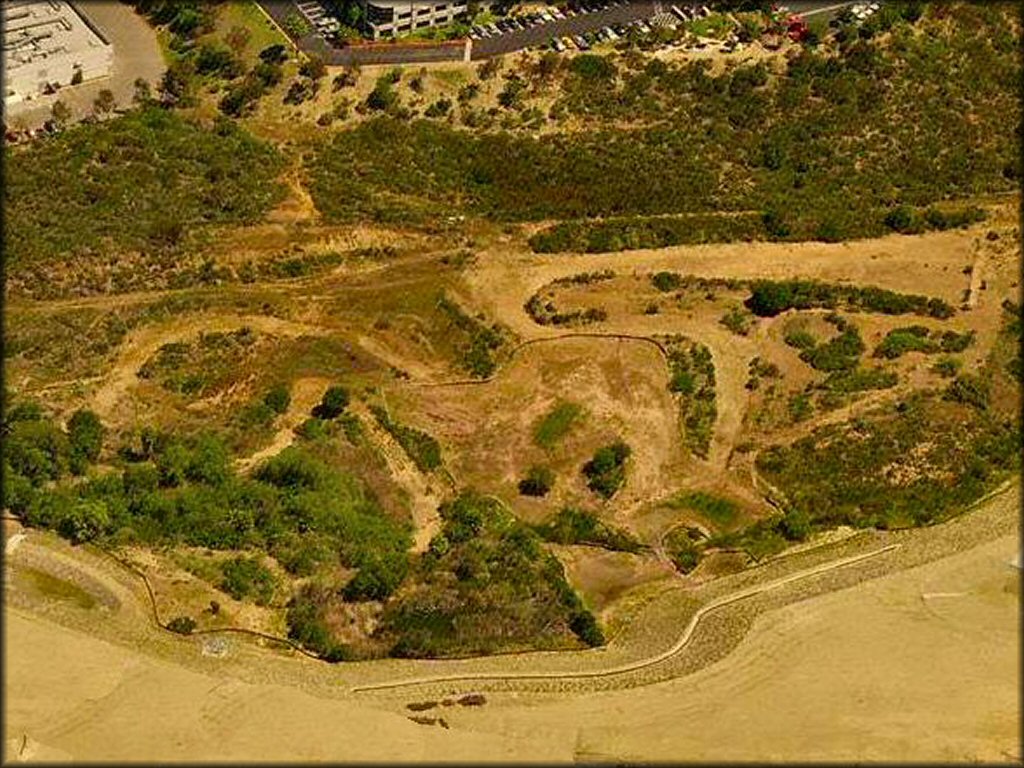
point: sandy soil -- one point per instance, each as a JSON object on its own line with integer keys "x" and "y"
{"x": 854, "y": 675}
{"x": 921, "y": 664}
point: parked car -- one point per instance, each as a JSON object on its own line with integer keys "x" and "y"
{"x": 581, "y": 42}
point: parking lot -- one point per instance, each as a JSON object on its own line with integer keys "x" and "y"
{"x": 575, "y": 26}
{"x": 578, "y": 20}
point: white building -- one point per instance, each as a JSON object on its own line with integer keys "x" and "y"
{"x": 46, "y": 42}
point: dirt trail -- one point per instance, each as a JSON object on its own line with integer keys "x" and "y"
{"x": 305, "y": 394}
{"x": 425, "y": 493}
{"x": 142, "y": 344}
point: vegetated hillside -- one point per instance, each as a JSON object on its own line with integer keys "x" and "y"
{"x": 827, "y": 147}
{"x": 138, "y": 183}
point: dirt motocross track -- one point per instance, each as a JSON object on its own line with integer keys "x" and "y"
{"x": 860, "y": 644}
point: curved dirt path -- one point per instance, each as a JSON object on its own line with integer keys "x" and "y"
{"x": 676, "y": 647}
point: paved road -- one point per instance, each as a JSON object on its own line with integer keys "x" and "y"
{"x": 509, "y": 42}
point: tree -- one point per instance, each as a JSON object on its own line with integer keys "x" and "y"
{"x": 333, "y": 403}
{"x": 237, "y": 38}
{"x": 278, "y": 398}
{"x": 768, "y": 298}
{"x": 85, "y": 432}
{"x": 489, "y": 68}
{"x": 274, "y": 54}
{"x": 900, "y": 218}
{"x": 61, "y": 113}
{"x": 177, "y": 85}
{"x": 183, "y": 625}
{"x": 538, "y": 481}
{"x": 313, "y": 68}
{"x": 84, "y": 521}
{"x": 142, "y": 93}
{"x": 104, "y": 102}
{"x": 77, "y": 76}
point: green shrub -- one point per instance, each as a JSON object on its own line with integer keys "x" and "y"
{"x": 245, "y": 577}
{"x": 277, "y": 398}
{"x": 97, "y": 174}
{"x": 183, "y": 625}
{"x": 423, "y": 449}
{"x": 84, "y": 521}
{"x": 969, "y": 389}
{"x": 606, "y": 471}
{"x": 947, "y": 367}
{"x": 333, "y": 403}
{"x": 577, "y": 526}
{"x": 538, "y": 481}
{"x": 378, "y": 577}
{"x": 85, "y": 435}
{"x": 666, "y": 281}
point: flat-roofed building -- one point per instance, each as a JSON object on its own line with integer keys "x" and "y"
{"x": 48, "y": 43}
{"x": 391, "y": 18}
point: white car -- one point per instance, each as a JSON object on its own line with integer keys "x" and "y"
{"x": 557, "y": 13}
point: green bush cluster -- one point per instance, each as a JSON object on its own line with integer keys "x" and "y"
{"x": 918, "y": 338}
{"x": 423, "y": 449}
{"x": 631, "y": 233}
{"x": 477, "y": 353}
{"x": 486, "y": 585}
{"x": 840, "y": 353}
{"x": 606, "y": 471}
{"x": 683, "y": 549}
{"x": 773, "y": 297}
{"x": 246, "y": 577}
{"x": 546, "y": 313}
{"x": 38, "y": 451}
{"x": 140, "y": 182}
{"x": 910, "y": 221}
{"x": 873, "y": 472}
{"x": 671, "y": 138}
{"x": 692, "y": 377}
{"x": 196, "y": 368}
{"x": 579, "y": 526}
{"x": 173, "y": 491}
